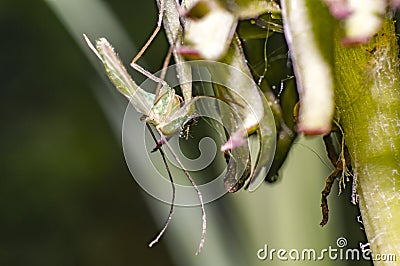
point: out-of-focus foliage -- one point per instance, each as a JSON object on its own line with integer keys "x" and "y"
{"x": 66, "y": 197}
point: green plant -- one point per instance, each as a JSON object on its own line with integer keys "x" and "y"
{"x": 347, "y": 69}
{"x": 358, "y": 81}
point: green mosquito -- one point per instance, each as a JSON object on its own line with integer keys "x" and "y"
{"x": 171, "y": 114}
{"x": 164, "y": 111}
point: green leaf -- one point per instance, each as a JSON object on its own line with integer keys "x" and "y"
{"x": 250, "y": 105}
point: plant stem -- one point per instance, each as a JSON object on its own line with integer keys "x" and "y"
{"x": 367, "y": 97}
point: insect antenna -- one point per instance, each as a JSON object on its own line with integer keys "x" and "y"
{"x": 265, "y": 60}
{"x": 324, "y": 162}
{"x": 171, "y": 210}
{"x": 199, "y": 194}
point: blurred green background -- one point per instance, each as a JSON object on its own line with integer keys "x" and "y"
{"x": 66, "y": 195}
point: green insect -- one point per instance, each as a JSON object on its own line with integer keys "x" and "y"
{"x": 235, "y": 98}
{"x": 163, "y": 110}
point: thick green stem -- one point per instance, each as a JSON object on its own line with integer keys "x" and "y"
{"x": 368, "y": 107}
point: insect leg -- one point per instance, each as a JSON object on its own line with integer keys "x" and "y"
{"x": 171, "y": 210}
{"x": 153, "y": 35}
{"x": 199, "y": 195}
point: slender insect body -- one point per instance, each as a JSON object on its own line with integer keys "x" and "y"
{"x": 165, "y": 111}
{"x": 171, "y": 115}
